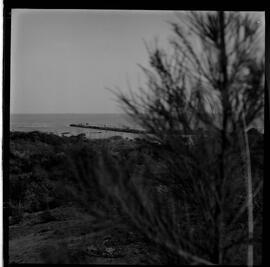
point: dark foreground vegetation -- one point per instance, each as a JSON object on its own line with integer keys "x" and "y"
{"x": 49, "y": 219}
{"x": 56, "y": 198}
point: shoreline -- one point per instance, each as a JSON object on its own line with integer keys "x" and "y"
{"x": 95, "y": 135}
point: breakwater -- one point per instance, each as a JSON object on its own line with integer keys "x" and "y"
{"x": 108, "y": 128}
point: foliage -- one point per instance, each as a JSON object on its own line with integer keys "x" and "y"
{"x": 210, "y": 88}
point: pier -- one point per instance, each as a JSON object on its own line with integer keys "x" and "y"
{"x": 188, "y": 137}
{"x": 108, "y": 128}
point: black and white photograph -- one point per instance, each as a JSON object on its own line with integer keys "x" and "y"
{"x": 136, "y": 137}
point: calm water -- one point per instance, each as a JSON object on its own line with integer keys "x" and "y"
{"x": 59, "y": 123}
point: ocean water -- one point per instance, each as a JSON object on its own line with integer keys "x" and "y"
{"x": 59, "y": 124}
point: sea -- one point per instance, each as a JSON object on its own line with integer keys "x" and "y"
{"x": 59, "y": 124}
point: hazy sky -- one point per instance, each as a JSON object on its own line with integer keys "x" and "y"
{"x": 62, "y": 61}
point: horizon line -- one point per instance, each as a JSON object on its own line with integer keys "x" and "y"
{"x": 48, "y": 113}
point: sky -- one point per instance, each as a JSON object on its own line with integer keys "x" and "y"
{"x": 62, "y": 61}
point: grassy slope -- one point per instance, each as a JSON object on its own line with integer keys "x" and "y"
{"x": 46, "y": 223}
